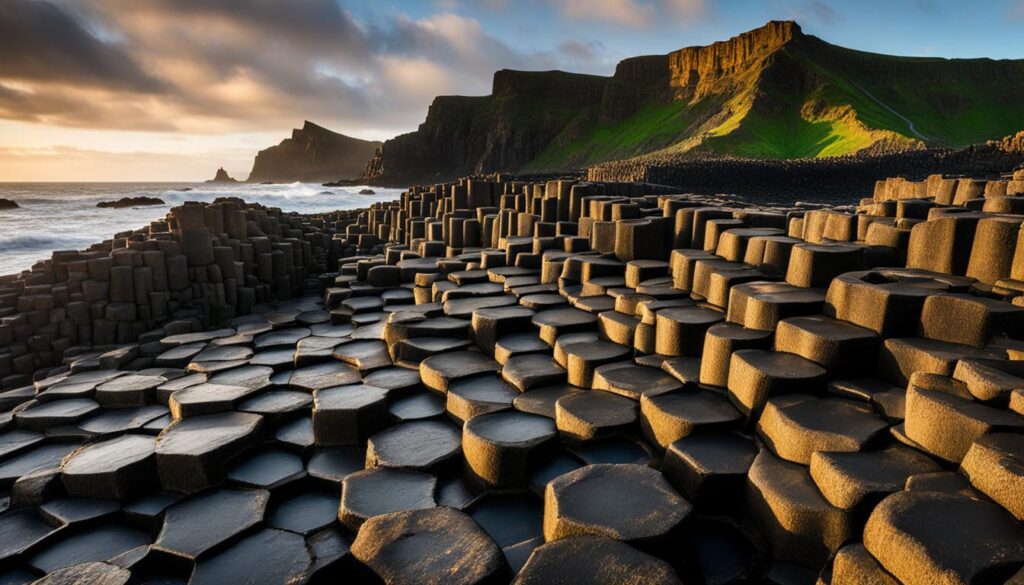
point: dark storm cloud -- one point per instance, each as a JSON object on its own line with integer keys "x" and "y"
{"x": 54, "y": 106}
{"x": 40, "y": 41}
{"x": 302, "y": 22}
{"x": 234, "y": 65}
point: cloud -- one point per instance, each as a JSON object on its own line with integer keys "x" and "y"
{"x": 41, "y": 42}
{"x": 631, "y": 13}
{"x": 1016, "y": 10}
{"x": 689, "y": 10}
{"x": 928, "y": 7}
{"x": 824, "y": 13}
{"x": 80, "y": 107}
{"x": 582, "y": 52}
{"x": 216, "y": 66}
{"x": 65, "y": 163}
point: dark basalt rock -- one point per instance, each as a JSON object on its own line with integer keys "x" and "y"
{"x": 116, "y": 469}
{"x": 381, "y": 491}
{"x": 650, "y": 516}
{"x": 268, "y": 556}
{"x": 131, "y": 202}
{"x": 784, "y": 417}
{"x": 198, "y": 524}
{"x": 22, "y": 529}
{"x": 417, "y": 445}
{"x": 191, "y": 453}
{"x": 413, "y": 546}
{"x": 594, "y": 559}
{"x": 8, "y": 204}
{"x": 96, "y": 573}
{"x": 222, "y": 177}
{"x": 305, "y": 513}
{"x": 100, "y": 544}
{"x": 312, "y": 154}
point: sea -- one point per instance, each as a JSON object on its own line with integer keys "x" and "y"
{"x": 64, "y": 216}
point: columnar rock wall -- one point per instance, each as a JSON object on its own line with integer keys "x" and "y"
{"x": 201, "y": 265}
{"x": 850, "y": 176}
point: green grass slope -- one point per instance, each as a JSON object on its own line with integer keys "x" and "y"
{"x": 811, "y": 99}
{"x": 653, "y": 126}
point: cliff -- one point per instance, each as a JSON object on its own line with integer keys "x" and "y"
{"x": 770, "y": 93}
{"x": 312, "y": 154}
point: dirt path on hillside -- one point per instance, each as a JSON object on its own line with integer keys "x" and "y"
{"x": 910, "y": 124}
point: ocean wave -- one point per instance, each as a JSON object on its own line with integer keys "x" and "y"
{"x": 48, "y": 242}
{"x": 62, "y": 216}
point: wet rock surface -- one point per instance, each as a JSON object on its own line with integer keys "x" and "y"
{"x": 493, "y": 385}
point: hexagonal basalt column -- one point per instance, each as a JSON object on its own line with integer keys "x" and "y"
{"x": 597, "y": 560}
{"x": 418, "y": 445}
{"x": 556, "y": 322}
{"x": 590, "y": 500}
{"x": 909, "y": 533}
{"x": 115, "y": 469}
{"x": 680, "y": 331}
{"x": 755, "y": 376}
{"x": 588, "y": 415}
{"x": 500, "y": 448}
{"x": 375, "y": 492}
{"x": 348, "y": 415}
{"x": 634, "y": 381}
{"x": 420, "y": 545}
{"x": 191, "y": 453}
{"x": 795, "y": 426}
{"x": 439, "y": 371}
{"x": 670, "y": 417}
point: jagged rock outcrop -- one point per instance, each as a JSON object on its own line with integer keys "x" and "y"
{"x": 770, "y": 93}
{"x": 8, "y": 204}
{"x": 222, "y": 176}
{"x": 312, "y": 154}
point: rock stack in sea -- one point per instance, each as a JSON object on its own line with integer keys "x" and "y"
{"x": 549, "y": 382}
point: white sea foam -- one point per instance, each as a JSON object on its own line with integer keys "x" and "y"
{"x": 64, "y": 216}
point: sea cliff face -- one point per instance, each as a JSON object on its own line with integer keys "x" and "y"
{"x": 770, "y": 93}
{"x": 691, "y": 66}
{"x": 312, "y": 154}
{"x": 507, "y": 129}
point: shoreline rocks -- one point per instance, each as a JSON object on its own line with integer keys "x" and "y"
{"x": 131, "y": 202}
{"x": 8, "y": 204}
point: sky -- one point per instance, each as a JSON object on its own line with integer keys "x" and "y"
{"x": 169, "y": 90}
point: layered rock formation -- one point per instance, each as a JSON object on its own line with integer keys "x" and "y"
{"x": 773, "y": 92}
{"x": 313, "y": 154}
